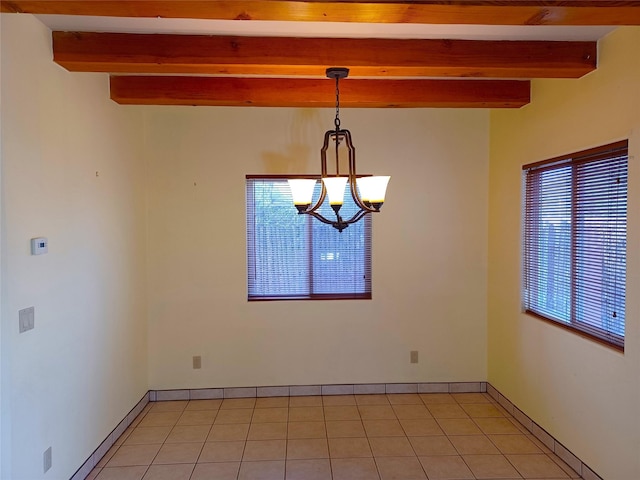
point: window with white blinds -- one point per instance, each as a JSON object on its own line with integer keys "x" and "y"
{"x": 292, "y": 256}
{"x": 575, "y": 241}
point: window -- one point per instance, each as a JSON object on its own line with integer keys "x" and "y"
{"x": 292, "y": 256}
{"x": 575, "y": 240}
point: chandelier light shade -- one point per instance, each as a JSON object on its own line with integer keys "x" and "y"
{"x": 367, "y": 192}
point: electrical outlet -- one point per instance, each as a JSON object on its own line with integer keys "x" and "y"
{"x": 46, "y": 459}
{"x": 26, "y": 319}
{"x": 414, "y": 356}
{"x": 197, "y": 362}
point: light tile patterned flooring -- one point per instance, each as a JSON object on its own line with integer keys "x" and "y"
{"x": 345, "y": 437}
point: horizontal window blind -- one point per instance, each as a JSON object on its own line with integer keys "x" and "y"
{"x": 292, "y": 256}
{"x": 575, "y": 231}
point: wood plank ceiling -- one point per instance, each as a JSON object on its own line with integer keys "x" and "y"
{"x": 169, "y": 69}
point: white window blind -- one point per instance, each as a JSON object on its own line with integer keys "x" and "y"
{"x": 292, "y": 256}
{"x": 575, "y": 241}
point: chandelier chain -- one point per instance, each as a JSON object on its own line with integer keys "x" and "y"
{"x": 337, "y": 120}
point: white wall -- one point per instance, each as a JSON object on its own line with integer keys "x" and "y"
{"x": 584, "y": 394}
{"x": 429, "y": 250}
{"x": 69, "y": 381}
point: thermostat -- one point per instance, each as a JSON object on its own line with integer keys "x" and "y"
{"x": 39, "y": 245}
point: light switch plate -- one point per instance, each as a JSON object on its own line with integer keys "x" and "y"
{"x": 26, "y": 319}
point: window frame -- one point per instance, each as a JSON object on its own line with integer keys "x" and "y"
{"x": 367, "y": 222}
{"x": 573, "y": 160}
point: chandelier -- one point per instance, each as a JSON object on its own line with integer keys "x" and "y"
{"x": 368, "y": 192}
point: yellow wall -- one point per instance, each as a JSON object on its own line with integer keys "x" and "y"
{"x": 584, "y": 394}
{"x": 68, "y": 382}
{"x": 429, "y": 250}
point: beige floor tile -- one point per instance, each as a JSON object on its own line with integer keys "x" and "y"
{"x": 447, "y": 410}
{"x": 238, "y": 415}
{"x": 349, "y": 448}
{"x": 459, "y": 426}
{"x": 536, "y": 466}
{"x": 222, "y": 452}
{"x": 188, "y": 434}
{"x": 272, "y": 402}
{"x": 306, "y": 430}
{"x": 372, "y": 400}
{"x": 307, "y": 448}
{"x": 270, "y": 415}
{"x": 257, "y": 450}
{"x": 400, "y": 468}
{"x": 122, "y": 473}
{"x": 404, "y": 399}
{"x": 496, "y": 425}
{"x": 421, "y": 427}
{"x": 308, "y": 469}
{"x": 383, "y": 428}
{"x": 445, "y": 467}
{"x": 564, "y": 466}
{"x": 235, "y": 403}
{"x": 268, "y": 470}
{"x": 169, "y": 472}
{"x": 391, "y": 447}
{"x": 204, "y": 405}
{"x": 197, "y": 417}
{"x": 471, "y": 398}
{"x": 538, "y": 444}
{"x": 107, "y": 456}
{"x": 490, "y": 466}
{"x": 178, "y": 453}
{"x": 473, "y": 445}
{"x": 411, "y": 411}
{"x": 338, "y": 400}
{"x": 514, "y": 444}
{"x": 161, "y": 419}
{"x": 130, "y": 455}
{"x": 312, "y": 401}
{"x": 518, "y": 425}
{"x": 376, "y": 412}
{"x": 267, "y": 431}
{"x": 226, "y": 432}
{"x": 481, "y": 410}
{"x": 432, "y": 445}
{"x": 147, "y": 435}
{"x": 306, "y": 414}
{"x": 436, "y": 398}
{"x": 341, "y": 412}
{"x": 354, "y": 469}
{"x": 122, "y": 438}
{"x": 345, "y": 428}
{"x": 172, "y": 406}
{"x": 93, "y": 474}
{"x": 216, "y": 471}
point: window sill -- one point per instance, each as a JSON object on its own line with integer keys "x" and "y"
{"x": 577, "y": 331}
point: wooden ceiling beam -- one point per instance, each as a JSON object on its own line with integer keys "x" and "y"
{"x": 297, "y": 92}
{"x": 522, "y": 12}
{"x": 234, "y": 55}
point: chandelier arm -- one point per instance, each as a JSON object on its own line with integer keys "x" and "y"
{"x": 323, "y": 194}
{"x": 352, "y": 175}
{"x": 339, "y": 225}
{"x": 357, "y": 217}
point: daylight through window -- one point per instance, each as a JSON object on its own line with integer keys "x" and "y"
{"x": 575, "y": 241}
{"x": 291, "y": 256}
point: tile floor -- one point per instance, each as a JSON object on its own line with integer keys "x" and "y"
{"x": 345, "y": 437}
